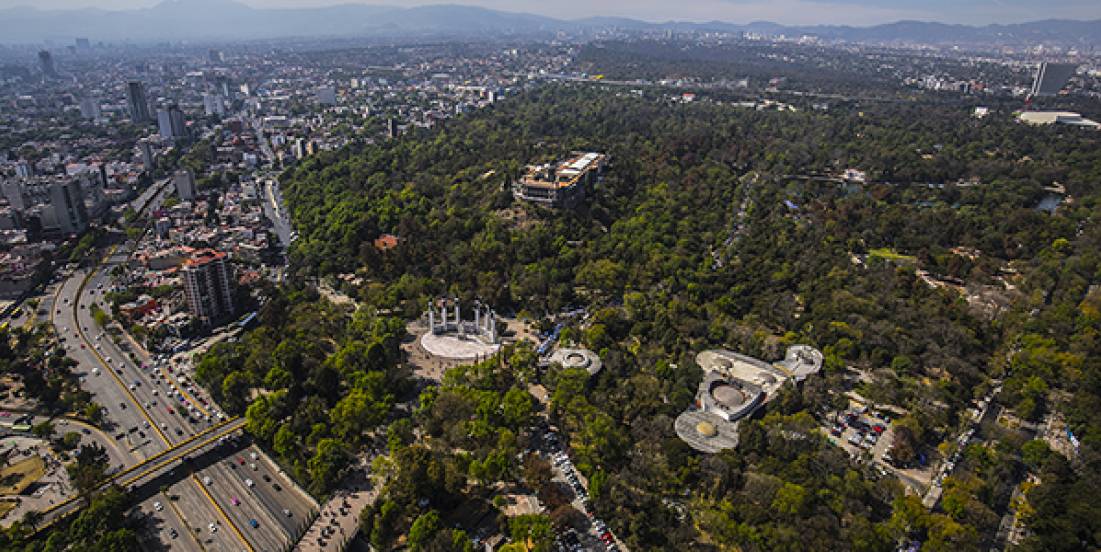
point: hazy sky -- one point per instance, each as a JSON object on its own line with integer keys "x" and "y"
{"x": 857, "y": 12}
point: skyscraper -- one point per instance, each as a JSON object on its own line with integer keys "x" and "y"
{"x": 185, "y": 184}
{"x": 212, "y": 105}
{"x": 147, "y": 160}
{"x": 392, "y": 130}
{"x": 46, "y": 63}
{"x": 1051, "y": 77}
{"x": 135, "y": 98}
{"x": 170, "y": 121}
{"x": 67, "y": 204}
{"x": 89, "y": 108}
{"x": 206, "y": 277}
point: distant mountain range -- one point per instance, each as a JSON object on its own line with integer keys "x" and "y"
{"x": 197, "y": 20}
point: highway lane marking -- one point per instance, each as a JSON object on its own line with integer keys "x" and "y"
{"x": 159, "y": 466}
{"x": 108, "y": 368}
{"x": 217, "y": 506}
{"x": 183, "y": 522}
{"x": 80, "y": 330}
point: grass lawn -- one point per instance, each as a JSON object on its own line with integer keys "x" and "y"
{"x": 888, "y": 254}
{"x": 19, "y": 476}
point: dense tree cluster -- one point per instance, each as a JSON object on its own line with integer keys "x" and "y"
{"x": 713, "y": 226}
{"x": 313, "y": 382}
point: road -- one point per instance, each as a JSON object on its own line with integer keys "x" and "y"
{"x": 274, "y": 210}
{"x": 151, "y": 409}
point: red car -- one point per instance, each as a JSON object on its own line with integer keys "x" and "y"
{"x": 879, "y": 428}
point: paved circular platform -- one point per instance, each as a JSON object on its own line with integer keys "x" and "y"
{"x": 451, "y": 346}
{"x": 705, "y": 431}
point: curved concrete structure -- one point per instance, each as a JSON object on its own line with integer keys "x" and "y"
{"x": 455, "y": 347}
{"x": 734, "y": 386}
{"x": 577, "y": 358}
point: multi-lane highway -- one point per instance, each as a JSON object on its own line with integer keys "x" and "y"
{"x": 222, "y": 496}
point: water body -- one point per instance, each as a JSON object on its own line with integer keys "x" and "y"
{"x": 1049, "y": 203}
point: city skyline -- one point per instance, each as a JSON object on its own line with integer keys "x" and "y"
{"x": 791, "y": 12}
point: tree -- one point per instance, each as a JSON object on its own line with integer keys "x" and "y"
{"x": 326, "y": 464}
{"x": 88, "y": 470}
{"x": 533, "y": 530}
{"x": 423, "y": 530}
{"x": 516, "y": 408}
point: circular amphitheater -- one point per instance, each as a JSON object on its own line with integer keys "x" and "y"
{"x": 577, "y": 358}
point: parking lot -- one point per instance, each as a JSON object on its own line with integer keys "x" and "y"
{"x": 597, "y": 536}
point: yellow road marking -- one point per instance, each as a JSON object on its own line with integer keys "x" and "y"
{"x": 187, "y": 528}
{"x": 159, "y": 466}
{"x": 225, "y": 516}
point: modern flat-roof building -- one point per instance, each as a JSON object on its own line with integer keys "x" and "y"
{"x": 206, "y": 277}
{"x": 563, "y": 184}
{"x": 137, "y": 102}
{"x": 734, "y": 386}
{"x": 185, "y": 184}
{"x": 1057, "y": 117}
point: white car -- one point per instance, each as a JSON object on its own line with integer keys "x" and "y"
{"x": 250, "y": 483}
{"x": 158, "y": 506}
{"x": 207, "y": 480}
{"x": 213, "y": 528}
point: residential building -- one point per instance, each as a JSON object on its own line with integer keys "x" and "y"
{"x": 137, "y": 102}
{"x": 170, "y": 122}
{"x": 185, "y": 184}
{"x": 69, "y": 215}
{"x": 46, "y": 64}
{"x": 206, "y": 277}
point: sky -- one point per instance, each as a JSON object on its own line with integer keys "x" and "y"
{"x": 798, "y": 12}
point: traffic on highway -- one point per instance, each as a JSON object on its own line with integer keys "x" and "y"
{"x": 205, "y": 486}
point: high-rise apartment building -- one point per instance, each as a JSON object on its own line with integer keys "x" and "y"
{"x": 46, "y": 64}
{"x": 206, "y": 277}
{"x": 170, "y": 122}
{"x": 67, "y": 206}
{"x": 185, "y": 184}
{"x": 136, "y": 101}
{"x": 89, "y": 108}
{"x": 147, "y": 160}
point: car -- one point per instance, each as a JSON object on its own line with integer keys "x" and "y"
{"x": 240, "y": 461}
{"x": 122, "y": 405}
{"x": 253, "y": 456}
{"x": 250, "y": 483}
{"x": 253, "y": 523}
{"x": 267, "y": 478}
{"x": 253, "y": 466}
{"x": 213, "y": 528}
{"x": 207, "y": 480}
{"x": 132, "y": 387}
{"x": 155, "y": 392}
{"x": 173, "y": 533}
{"x": 879, "y": 428}
{"x": 235, "y": 501}
{"x": 158, "y": 506}
{"x": 286, "y": 512}
{"x": 179, "y": 431}
{"x": 276, "y": 487}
